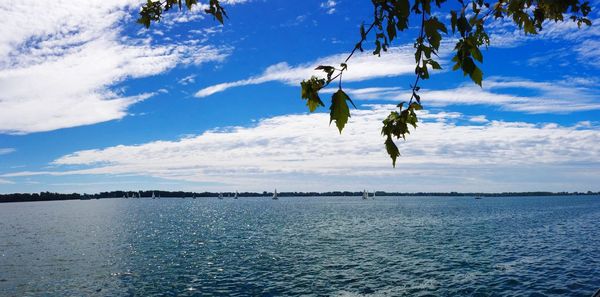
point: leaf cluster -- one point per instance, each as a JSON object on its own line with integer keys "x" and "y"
{"x": 397, "y": 124}
{"x": 468, "y": 24}
{"x": 390, "y": 17}
{"x": 153, "y": 11}
{"x": 310, "y": 92}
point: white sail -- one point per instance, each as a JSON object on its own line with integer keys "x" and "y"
{"x": 236, "y": 195}
{"x": 365, "y": 194}
{"x": 153, "y": 196}
{"x": 275, "y": 195}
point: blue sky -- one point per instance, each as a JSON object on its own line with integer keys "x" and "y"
{"x": 91, "y": 101}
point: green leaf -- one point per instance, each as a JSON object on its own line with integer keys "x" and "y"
{"x": 468, "y": 66}
{"x": 392, "y": 149}
{"x": 219, "y": 16}
{"x": 476, "y": 75}
{"x": 411, "y": 119}
{"x": 363, "y": 34}
{"x": 528, "y": 26}
{"x": 434, "y": 64}
{"x": 453, "y": 20}
{"x": 340, "y": 112}
{"x": 431, "y": 28}
{"x": 476, "y": 53}
{"x": 190, "y": 3}
{"x": 377, "y": 50}
{"x": 391, "y": 29}
{"x": 415, "y": 106}
{"x": 456, "y": 66}
{"x": 310, "y": 92}
{"x": 587, "y": 22}
{"x": 327, "y": 69}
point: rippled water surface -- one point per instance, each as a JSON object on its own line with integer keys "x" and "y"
{"x": 391, "y": 246}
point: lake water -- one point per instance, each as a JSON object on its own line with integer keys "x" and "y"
{"x": 391, "y": 246}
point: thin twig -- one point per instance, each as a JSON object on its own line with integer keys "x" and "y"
{"x": 357, "y": 46}
{"x": 421, "y": 37}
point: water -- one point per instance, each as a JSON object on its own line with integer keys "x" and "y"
{"x": 391, "y": 246}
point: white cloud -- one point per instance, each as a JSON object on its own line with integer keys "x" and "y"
{"x": 504, "y": 34}
{"x": 400, "y": 60}
{"x": 60, "y": 60}
{"x": 478, "y": 119}
{"x": 4, "y": 181}
{"x": 190, "y": 79}
{"x": 301, "y": 152}
{"x": 6, "y": 150}
{"x": 329, "y": 6}
{"x": 569, "y": 95}
{"x": 364, "y": 66}
{"x": 196, "y": 13}
{"x": 589, "y": 51}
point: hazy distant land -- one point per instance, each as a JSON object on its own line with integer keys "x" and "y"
{"x": 48, "y": 196}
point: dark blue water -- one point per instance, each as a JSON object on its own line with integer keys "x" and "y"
{"x": 391, "y": 246}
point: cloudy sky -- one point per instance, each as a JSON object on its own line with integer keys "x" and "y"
{"x": 91, "y": 101}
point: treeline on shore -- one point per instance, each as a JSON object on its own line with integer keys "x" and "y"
{"x": 48, "y": 196}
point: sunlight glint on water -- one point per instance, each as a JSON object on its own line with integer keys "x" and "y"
{"x": 391, "y": 246}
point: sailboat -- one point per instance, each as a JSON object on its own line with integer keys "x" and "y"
{"x": 373, "y": 195}
{"x": 275, "y": 195}
{"x": 220, "y": 195}
{"x": 153, "y": 196}
{"x": 365, "y": 195}
{"x": 236, "y": 195}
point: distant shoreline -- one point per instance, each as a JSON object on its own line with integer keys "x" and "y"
{"x": 48, "y": 196}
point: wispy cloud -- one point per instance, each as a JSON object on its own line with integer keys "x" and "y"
{"x": 400, "y": 60}
{"x": 196, "y": 13}
{"x": 479, "y": 119}
{"x": 329, "y": 6}
{"x": 6, "y": 150}
{"x": 300, "y": 152}
{"x": 364, "y": 66}
{"x": 190, "y": 79}
{"x": 565, "y": 96}
{"x": 589, "y": 51}
{"x": 59, "y": 62}
{"x": 5, "y": 181}
{"x": 504, "y": 34}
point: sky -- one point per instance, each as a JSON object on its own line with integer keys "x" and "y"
{"x": 91, "y": 101}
